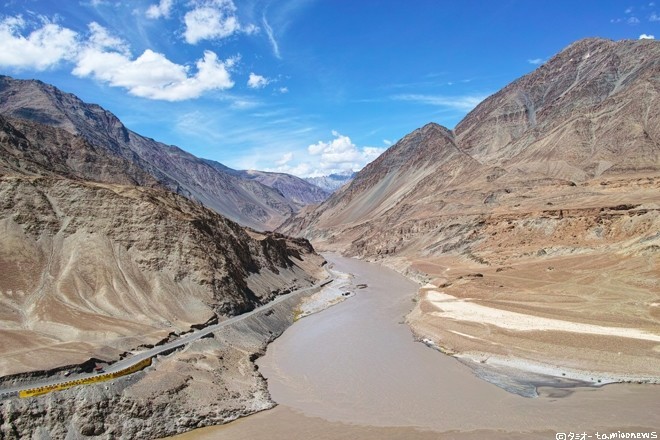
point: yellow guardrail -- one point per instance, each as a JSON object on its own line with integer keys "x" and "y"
{"x": 38, "y": 391}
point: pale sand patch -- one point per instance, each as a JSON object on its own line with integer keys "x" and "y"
{"x": 338, "y": 291}
{"x": 464, "y": 310}
{"x": 520, "y": 367}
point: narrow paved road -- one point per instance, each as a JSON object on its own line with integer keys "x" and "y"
{"x": 180, "y": 342}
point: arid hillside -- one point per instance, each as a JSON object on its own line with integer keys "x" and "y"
{"x": 93, "y": 264}
{"x": 544, "y": 201}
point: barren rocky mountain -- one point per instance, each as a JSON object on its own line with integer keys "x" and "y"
{"x": 246, "y": 201}
{"x": 90, "y": 264}
{"x": 543, "y": 201}
{"x": 40, "y": 150}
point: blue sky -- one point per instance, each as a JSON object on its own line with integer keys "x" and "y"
{"x": 308, "y": 87}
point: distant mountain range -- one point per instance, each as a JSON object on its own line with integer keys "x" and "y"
{"x": 332, "y": 182}
{"x": 298, "y": 191}
{"x": 260, "y": 201}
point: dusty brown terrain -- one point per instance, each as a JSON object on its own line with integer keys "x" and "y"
{"x": 544, "y": 201}
{"x": 106, "y": 247}
{"x": 212, "y": 381}
{"x": 96, "y": 269}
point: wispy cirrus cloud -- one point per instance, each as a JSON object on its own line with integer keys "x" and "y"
{"x": 536, "y": 61}
{"x": 271, "y": 38}
{"x": 248, "y": 139}
{"x": 463, "y": 103}
{"x": 276, "y": 20}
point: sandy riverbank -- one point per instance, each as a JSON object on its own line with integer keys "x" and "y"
{"x": 570, "y": 320}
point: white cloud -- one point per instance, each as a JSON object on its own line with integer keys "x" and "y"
{"x": 41, "y": 49}
{"x": 284, "y": 90}
{"x": 162, "y": 9}
{"x": 213, "y": 20}
{"x": 387, "y": 142}
{"x": 337, "y": 155}
{"x": 654, "y": 17}
{"x": 107, "y": 58}
{"x": 151, "y": 75}
{"x": 257, "y": 81}
{"x": 302, "y": 169}
{"x": 341, "y": 154}
{"x": 463, "y": 103}
{"x": 647, "y": 37}
{"x": 633, "y": 20}
{"x": 285, "y": 159}
{"x": 241, "y": 103}
{"x": 535, "y": 61}
{"x": 101, "y": 39}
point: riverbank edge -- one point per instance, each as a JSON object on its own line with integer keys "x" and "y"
{"x": 108, "y": 413}
{"x": 517, "y": 375}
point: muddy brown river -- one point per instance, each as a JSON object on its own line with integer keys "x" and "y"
{"x": 354, "y": 371}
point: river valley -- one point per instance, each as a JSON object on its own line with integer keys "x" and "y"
{"x": 355, "y": 371}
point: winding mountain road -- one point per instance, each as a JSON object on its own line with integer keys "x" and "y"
{"x": 128, "y": 362}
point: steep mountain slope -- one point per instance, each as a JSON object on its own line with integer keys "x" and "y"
{"x": 592, "y": 108}
{"x": 591, "y": 111}
{"x": 243, "y": 200}
{"x": 544, "y": 200}
{"x": 89, "y": 264}
{"x": 36, "y": 149}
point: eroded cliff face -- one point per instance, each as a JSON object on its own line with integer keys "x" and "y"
{"x": 97, "y": 259}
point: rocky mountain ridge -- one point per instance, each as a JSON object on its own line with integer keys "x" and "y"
{"x": 543, "y": 202}
{"x": 99, "y": 258}
{"x": 246, "y": 201}
{"x": 590, "y": 111}
{"x": 298, "y": 191}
